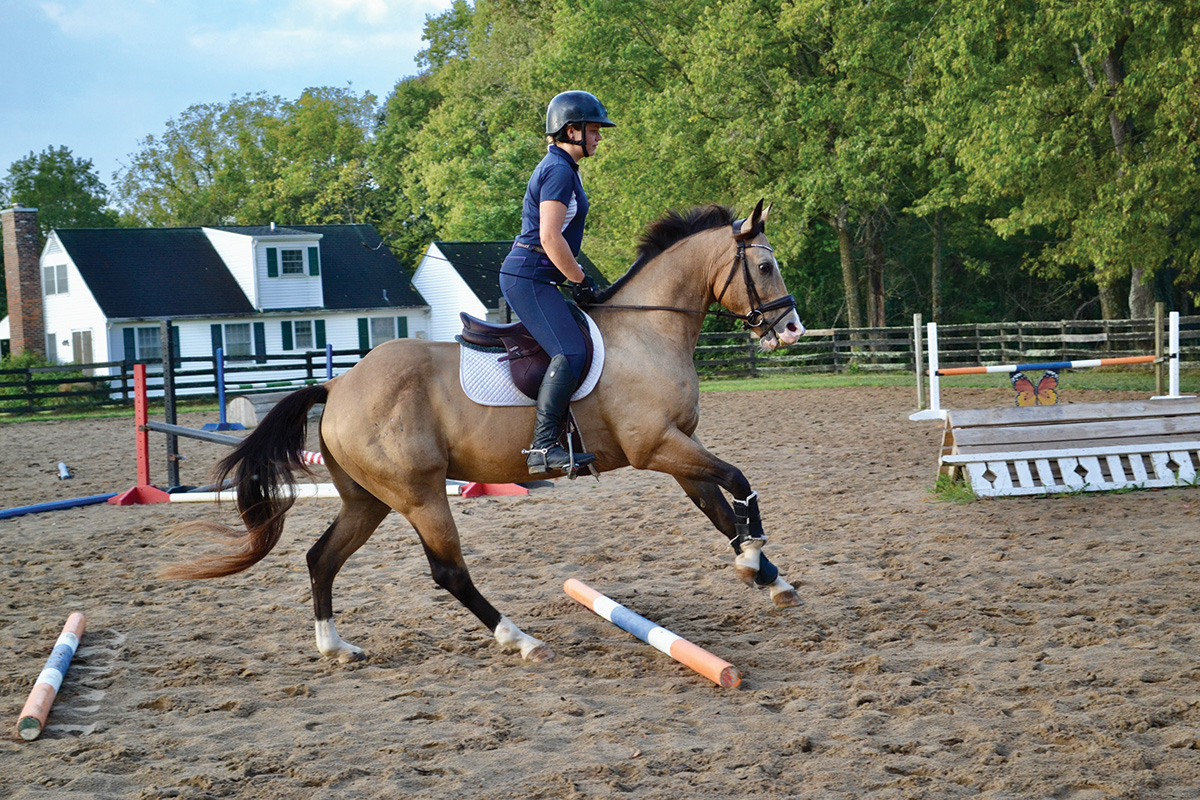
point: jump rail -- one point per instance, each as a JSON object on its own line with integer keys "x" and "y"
{"x": 144, "y": 493}
{"x": 935, "y": 410}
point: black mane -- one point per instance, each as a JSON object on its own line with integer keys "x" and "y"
{"x": 672, "y": 228}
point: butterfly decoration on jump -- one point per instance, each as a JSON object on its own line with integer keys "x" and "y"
{"x": 1044, "y": 394}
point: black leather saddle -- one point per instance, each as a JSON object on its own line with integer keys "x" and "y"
{"x": 527, "y": 361}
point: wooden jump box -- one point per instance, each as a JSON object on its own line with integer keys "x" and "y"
{"x": 1091, "y": 447}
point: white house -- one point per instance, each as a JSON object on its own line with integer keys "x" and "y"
{"x": 252, "y": 291}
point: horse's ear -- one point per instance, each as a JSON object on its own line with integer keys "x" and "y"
{"x": 752, "y": 223}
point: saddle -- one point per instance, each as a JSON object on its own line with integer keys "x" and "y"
{"x": 527, "y": 361}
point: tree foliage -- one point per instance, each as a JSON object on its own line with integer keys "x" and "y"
{"x": 967, "y": 160}
{"x": 257, "y": 158}
{"x": 66, "y": 191}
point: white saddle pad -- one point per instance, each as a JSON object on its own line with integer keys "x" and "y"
{"x": 486, "y": 379}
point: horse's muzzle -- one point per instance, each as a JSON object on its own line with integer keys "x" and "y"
{"x": 786, "y": 331}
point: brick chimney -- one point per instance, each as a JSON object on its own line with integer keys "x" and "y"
{"x": 23, "y": 274}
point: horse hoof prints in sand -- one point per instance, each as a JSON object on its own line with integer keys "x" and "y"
{"x": 642, "y": 413}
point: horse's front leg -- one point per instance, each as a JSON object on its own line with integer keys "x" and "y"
{"x": 702, "y": 475}
{"x": 742, "y": 525}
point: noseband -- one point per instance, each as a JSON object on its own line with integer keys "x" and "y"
{"x": 757, "y": 316}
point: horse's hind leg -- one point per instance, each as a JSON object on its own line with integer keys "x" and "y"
{"x": 435, "y": 525}
{"x": 360, "y": 515}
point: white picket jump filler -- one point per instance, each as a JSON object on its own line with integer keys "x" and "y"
{"x": 1068, "y": 447}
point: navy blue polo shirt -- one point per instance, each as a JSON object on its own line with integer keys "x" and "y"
{"x": 556, "y": 177}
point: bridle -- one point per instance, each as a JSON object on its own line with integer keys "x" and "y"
{"x": 756, "y": 317}
{"x": 758, "y": 313}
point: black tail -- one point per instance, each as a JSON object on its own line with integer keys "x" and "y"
{"x": 262, "y": 466}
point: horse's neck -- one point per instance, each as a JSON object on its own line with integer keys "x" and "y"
{"x": 681, "y": 277}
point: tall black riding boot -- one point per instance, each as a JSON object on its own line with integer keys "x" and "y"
{"x": 546, "y": 454}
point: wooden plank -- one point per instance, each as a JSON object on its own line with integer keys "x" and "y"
{"x": 1029, "y": 436}
{"x": 1071, "y": 412}
{"x": 1067, "y": 444}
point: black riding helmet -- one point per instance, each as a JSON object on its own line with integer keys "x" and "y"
{"x": 574, "y": 108}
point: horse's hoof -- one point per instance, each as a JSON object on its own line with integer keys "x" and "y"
{"x": 350, "y": 656}
{"x": 746, "y": 575}
{"x": 786, "y": 599}
{"x": 540, "y": 653}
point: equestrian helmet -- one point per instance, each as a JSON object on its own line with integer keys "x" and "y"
{"x": 575, "y": 107}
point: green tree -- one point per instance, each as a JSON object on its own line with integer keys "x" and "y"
{"x": 200, "y": 170}
{"x": 402, "y": 196}
{"x": 1080, "y": 117}
{"x": 66, "y": 191}
{"x": 257, "y": 158}
{"x": 312, "y": 166}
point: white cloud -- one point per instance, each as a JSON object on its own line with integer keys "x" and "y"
{"x": 94, "y": 19}
{"x": 289, "y": 47}
{"x": 373, "y": 11}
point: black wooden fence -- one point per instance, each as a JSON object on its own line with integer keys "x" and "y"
{"x": 833, "y": 350}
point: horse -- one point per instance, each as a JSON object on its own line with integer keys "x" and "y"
{"x": 398, "y": 424}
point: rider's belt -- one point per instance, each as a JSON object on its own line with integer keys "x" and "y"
{"x": 532, "y": 247}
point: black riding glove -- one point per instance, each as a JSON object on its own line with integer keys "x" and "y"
{"x": 584, "y": 292}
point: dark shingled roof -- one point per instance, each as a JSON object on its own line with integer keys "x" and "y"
{"x": 479, "y": 263}
{"x": 356, "y": 272}
{"x": 154, "y": 272}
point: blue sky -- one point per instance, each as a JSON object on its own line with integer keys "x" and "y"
{"x": 98, "y": 76}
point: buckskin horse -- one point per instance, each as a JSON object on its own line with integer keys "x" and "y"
{"x": 398, "y": 424}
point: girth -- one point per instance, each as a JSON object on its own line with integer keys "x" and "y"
{"x": 527, "y": 361}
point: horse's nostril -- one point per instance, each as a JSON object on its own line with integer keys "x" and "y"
{"x": 791, "y": 326}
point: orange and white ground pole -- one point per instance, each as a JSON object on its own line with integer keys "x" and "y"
{"x": 45, "y": 689}
{"x": 717, "y": 670}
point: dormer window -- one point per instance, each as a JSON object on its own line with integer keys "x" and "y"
{"x": 293, "y": 262}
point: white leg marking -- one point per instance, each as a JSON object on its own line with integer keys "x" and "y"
{"x": 780, "y": 585}
{"x": 511, "y": 637}
{"x": 749, "y": 557}
{"x": 330, "y": 644}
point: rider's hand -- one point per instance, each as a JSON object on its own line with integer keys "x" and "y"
{"x": 584, "y": 292}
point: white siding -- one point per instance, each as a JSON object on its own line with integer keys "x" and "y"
{"x": 237, "y": 251}
{"x": 77, "y": 310}
{"x": 447, "y": 294}
{"x": 287, "y": 291}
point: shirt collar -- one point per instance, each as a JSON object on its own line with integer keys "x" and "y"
{"x": 563, "y": 154}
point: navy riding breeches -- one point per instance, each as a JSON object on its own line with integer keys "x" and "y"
{"x": 541, "y": 306}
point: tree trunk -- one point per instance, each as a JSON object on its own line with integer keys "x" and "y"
{"x": 873, "y": 236}
{"x": 849, "y": 268}
{"x": 1141, "y": 293}
{"x": 1111, "y": 306}
{"x": 935, "y": 271}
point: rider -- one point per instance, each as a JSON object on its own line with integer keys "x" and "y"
{"x": 543, "y": 256}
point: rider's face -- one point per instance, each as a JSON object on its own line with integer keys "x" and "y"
{"x": 591, "y": 137}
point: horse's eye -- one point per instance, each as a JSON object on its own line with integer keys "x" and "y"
{"x": 764, "y": 267}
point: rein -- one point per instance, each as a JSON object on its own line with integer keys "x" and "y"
{"x": 755, "y": 318}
